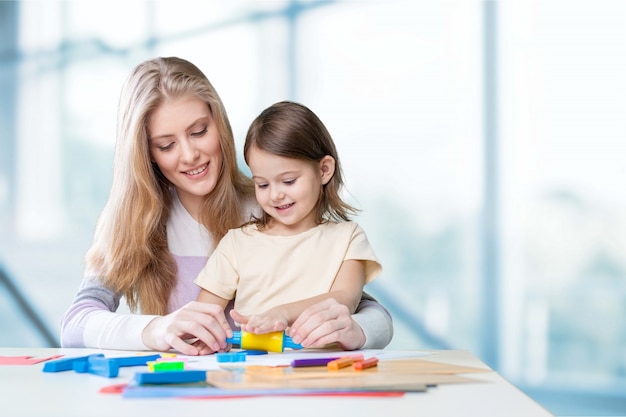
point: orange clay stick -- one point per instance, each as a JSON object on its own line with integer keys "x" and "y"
{"x": 337, "y": 364}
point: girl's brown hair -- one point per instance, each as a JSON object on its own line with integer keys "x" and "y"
{"x": 292, "y": 130}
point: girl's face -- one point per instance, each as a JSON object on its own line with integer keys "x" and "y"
{"x": 288, "y": 189}
{"x": 185, "y": 144}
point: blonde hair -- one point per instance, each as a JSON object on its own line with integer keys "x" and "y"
{"x": 130, "y": 251}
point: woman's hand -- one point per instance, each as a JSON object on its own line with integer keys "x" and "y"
{"x": 327, "y": 322}
{"x": 195, "y": 320}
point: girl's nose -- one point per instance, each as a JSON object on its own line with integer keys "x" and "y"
{"x": 277, "y": 194}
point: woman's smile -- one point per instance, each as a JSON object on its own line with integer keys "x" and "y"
{"x": 197, "y": 171}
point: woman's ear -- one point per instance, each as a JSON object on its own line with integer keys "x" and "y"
{"x": 327, "y": 168}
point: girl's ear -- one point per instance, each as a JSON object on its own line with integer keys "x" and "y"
{"x": 327, "y": 168}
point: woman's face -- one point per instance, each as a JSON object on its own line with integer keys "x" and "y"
{"x": 185, "y": 143}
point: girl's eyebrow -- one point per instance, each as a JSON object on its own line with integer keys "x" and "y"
{"x": 281, "y": 174}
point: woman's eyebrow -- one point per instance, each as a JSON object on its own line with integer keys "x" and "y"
{"x": 199, "y": 120}
{"x": 164, "y": 136}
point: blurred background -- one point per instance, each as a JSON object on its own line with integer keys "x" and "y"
{"x": 483, "y": 140}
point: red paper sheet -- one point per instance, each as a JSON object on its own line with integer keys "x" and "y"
{"x": 24, "y": 360}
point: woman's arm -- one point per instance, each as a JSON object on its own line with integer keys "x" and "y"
{"x": 327, "y": 322}
{"x": 91, "y": 321}
{"x": 375, "y": 322}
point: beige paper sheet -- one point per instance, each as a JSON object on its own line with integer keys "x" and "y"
{"x": 399, "y": 374}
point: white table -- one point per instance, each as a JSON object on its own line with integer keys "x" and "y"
{"x": 27, "y": 391}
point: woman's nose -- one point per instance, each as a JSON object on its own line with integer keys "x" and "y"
{"x": 189, "y": 152}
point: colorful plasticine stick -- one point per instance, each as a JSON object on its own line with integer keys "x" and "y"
{"x": 110, "y": 367}
{"x": 301, "y": 363}
{"x": 231, "y": 357}
{"x": 271, "y": 342}
{"x": 172, "y": 377}
{"x": 337, "y": 364}
{"x": 97, "y": 364}
{"x": 367, "y": 363}
{"x": 166, "y": 366}
{"x": 68, "y": 364}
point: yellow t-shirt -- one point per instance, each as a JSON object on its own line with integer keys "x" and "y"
{"x": 265, "y": 270}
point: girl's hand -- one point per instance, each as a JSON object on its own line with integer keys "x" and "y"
{"x": 271, "y": 321}
{"x": 327, "y": 322}
{"x": 196, "y": 320}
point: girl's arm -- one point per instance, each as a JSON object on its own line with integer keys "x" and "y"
{"x": 346, "y": 290}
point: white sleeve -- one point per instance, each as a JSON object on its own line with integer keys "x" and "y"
{"x": 107, "y": 330}
{"x": 91, "y": 320}
{"x": 375, "y": 321}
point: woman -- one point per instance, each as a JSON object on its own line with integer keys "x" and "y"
{"x": 176, "y": 191}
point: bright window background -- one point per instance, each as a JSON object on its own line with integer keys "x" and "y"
{"x": 502, "y": 229}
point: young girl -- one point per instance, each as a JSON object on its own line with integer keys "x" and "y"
{"x": 304, "y": 248}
